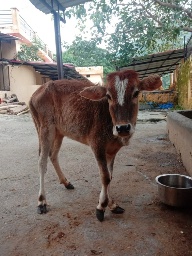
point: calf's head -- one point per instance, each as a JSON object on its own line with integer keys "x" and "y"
{"x": 122, "y": 90}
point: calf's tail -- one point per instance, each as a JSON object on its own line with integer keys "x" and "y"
{"x": 35, "y": 117}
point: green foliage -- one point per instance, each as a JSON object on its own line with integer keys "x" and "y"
{"x": 183, "y": 79}
{"x": 84, "y": 53}
{"x": 177, "y": 107}
{"x": 135, "y": 28}
{"x": 29, "y": 52}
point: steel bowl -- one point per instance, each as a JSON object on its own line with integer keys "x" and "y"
{"x": 175, "y": 189}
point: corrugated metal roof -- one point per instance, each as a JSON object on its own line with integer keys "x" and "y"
{"x": 7, "y": 37}
{"x": 47, "y": 7}
{"x": 48, "y": 69}
{"x": 159, "y": 63}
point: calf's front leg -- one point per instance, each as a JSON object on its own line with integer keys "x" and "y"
{"x": 114, "y": 207}
{"x": 105, "y": 181}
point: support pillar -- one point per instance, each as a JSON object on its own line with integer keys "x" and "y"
{"x": 58, "y": 45}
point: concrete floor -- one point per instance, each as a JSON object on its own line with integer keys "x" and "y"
{"x": 147, "y": 227}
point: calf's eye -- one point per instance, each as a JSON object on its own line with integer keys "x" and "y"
{"x": 136, "y": 94}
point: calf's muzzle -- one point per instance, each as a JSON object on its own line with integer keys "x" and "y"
{"x": 123, "y": 129}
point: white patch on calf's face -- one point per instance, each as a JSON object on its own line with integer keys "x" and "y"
{"x": 120, "y": 86}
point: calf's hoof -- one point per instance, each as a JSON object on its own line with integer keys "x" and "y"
{"x": 118, "y": 210}
{"x": 100, "y": 214}
{"x": 42, "y": 209}
{"x": 69, "y": 186}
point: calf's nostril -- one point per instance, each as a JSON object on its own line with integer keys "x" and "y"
{"x": 118, "y": 128}
{"x": 128, "y": 127}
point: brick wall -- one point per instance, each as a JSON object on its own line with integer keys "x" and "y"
{"x": 159, "y": 97}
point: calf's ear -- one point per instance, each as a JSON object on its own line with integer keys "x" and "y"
{"x": 93, "y": 92}
{"x": 150, "y": 83}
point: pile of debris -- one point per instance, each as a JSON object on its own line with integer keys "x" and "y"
{"x": 11, "y": 105}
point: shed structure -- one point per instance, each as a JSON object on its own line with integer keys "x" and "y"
{"x": 57, "y": 8}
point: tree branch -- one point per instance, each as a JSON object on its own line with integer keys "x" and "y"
{"x": 170, "y": 5}
{"x": 151, "y": 15}
{"x": 188, "y": 29}
{"x": 174, "y": 6}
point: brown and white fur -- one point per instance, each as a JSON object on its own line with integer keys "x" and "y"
{"x": 102, "y": 117}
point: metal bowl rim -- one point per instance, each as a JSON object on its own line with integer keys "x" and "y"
{"x": 168, "y": 174}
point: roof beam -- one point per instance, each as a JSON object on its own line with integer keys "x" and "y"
{"x": 155, "y": 60}
{"x": 53, "y": 11}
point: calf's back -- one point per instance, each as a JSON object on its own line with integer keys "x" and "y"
{"x": 59, "y": 103}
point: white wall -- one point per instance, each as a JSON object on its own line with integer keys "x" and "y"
{"x": 22, "y": 82}
{"x": 94, "y": 73}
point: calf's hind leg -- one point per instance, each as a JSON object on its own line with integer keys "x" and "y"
{"x": 55, "y": 161}
{"x": 46, "y": 135}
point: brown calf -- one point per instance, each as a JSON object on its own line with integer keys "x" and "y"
{"x": 102, "y": 117}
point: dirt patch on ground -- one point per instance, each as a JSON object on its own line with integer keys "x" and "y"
{"x": 70, "y": 227}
